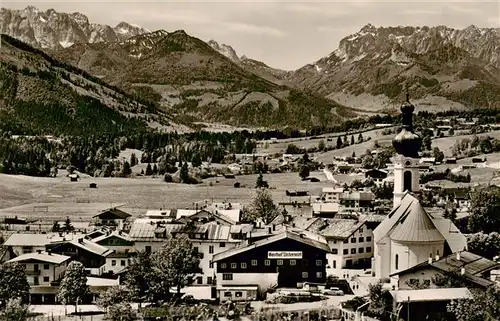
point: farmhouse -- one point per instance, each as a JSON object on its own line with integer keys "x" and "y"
{"x": 112, "y": 217}
{"x": 286, "y": 260}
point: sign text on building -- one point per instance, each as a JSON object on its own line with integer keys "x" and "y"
{"x": 284, "y": 255}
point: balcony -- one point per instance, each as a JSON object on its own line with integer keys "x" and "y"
{"x": 32, "y": 272}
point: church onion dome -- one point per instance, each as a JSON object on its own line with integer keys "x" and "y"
{"x": 416, "y": 225}
{"x": 407, "y": 143}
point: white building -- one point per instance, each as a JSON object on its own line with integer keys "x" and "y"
{"x": 43, "y": 268}
{"x": 331, "y": 194}
{"x": 409, "y": 235}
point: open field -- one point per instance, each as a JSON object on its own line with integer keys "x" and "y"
{"x": 359, "y": 149}
{"x": 445, "y": 144}
{"x": 279, "y": 146}
{"x": 140, "y": 194}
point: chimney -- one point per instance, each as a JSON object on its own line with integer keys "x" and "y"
{"x": 80, "y": 240}
{"x": 458, "y": 256}
{"x": 39, "y": 251}
{"x": 430, "y": 260}
{"x": 437, "y": 257}
{"x": 462, "y": 271}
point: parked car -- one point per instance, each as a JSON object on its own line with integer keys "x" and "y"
{"x": 333, "y": 291}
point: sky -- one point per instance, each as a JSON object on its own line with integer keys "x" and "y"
{"x": 283, "y": 34}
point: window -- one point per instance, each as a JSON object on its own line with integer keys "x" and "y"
{"x": 361, "y": 239}
{"x": 211, "y": 249}
{"x": 227, "y": 277}
{"x": 335, "y": 251}
{"x": 361, "y": 250}
{"x": 319, "y": 275}
{"x": 199, "y": 280}
{"x": 396, "y": 261}
{"x": 227, "y": 294}
{"x": 223, "y": 265}
{"x": 368, "y": 250}
{"x": 148, "y": 249}
{"x": 305, "y": 275}
{"x": 46, "y": 279}
{"x": 407, "y": 181}
{"x": 238, "y": 294}
{"x": 279, "y": 262}
{"x": 211, "y": 265}
{"x": 45, "y": 266}
{"x": 346, "y": 251}
{"x": 346, "y": 241}
{"x": 319, "y": 262}
{"x": 243, "y": 265}
{"x": 353, "y": 251}
{"x": 233, "y": 265}
{"x": 210, "y": 280}
{"x": 267, "y": 262}
{"x": 368, "y": 238}
{"x": 353, "y": 240}
{"x": 293, "y": 262}
{"x": 113, "y": 262}
{"x": 222, "y": 244}
{"x": 361, "y": 230}
{"x": 305, "y": 263}
{"x": 122, "y": 262}
{"x": 254, "y": 262}
{"x": 334, "y": 264}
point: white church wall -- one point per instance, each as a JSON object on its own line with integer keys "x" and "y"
{"x": 411, "y": 254}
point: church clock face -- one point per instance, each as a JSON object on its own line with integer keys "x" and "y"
{"x": 408, "y": 163}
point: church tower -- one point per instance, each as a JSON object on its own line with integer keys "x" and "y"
{"x": 406, "y": 163}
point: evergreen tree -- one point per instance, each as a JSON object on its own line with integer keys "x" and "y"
{"x": 196, "y": 160}
{"x": 133, "y": 160}
{"x": 142, "y": 171}
{"x": 184, "y": 174}
{"x": 56, "y": 227}
{"x": 149, "y": 170}
{"x": 261, "y": 183}
{"x": 352, "y": 140}
{"x": 360, "y": 138}
{"x": 304, "y": 171}
{"x": 68, "y": 227}
{"x": 126, "y": 170}
{"x": 339, "y": 142}
{"x": 155, "y": 169}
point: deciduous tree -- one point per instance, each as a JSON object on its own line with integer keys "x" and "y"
{"x": 15, "y": 310}
{"x": 73, "y": 286}
{"x": 485, "y": 206}
{"x": 13, "y": 282}
{"x": 304, "y": 171}
{"x": 262, "y": 207}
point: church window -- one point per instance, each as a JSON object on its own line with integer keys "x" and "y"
{"x": 408, "y": 163}
{"x": 407, "y": 181}
{"x": 396, "y": 261}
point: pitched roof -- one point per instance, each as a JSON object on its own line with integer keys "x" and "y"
{"x": 113, "y": 212}
{"x": 120, "y": 235}
{"x": 335, "y": 228}
{"x": 302, "y": 238}
{"x": 387, "y": 225}
{"x": 415, "y": 225}
{"x": 37, "y": 239}
{"x": 86, "y": 245}
{"x": 427, "y": 295}
{"x": 42, "y": 257}
{"x": 325, "y": 207}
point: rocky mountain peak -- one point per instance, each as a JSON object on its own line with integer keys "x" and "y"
{"x": 225, "y": 50}
{"x": 54, "y": 30}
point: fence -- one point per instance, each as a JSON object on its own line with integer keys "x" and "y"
{"x": 99, "y": 317}
{"x": 330, "y": 313}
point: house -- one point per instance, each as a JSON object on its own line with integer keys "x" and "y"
{"x": 450, "y": 160}
{"x": 90, "y": 254}
{"x": 73, "y": 177}
{"x": 293, "y": 193}
{"x": 350, "y": 241}
{"x": 43, "y": 269}
{"x": 160, "y": 214}
{"x": 475, "y": 270}
{"x": 22, "y": 243}
{"x": 117, "y": 262}
{"x": 377, "y": 175}
{"x": 92, "y": 185}
{"x": 426, "y": 304}
{"x": 112, "y": 217}
{"x": 428, "y": 160}
{"x": 204, "y": 216}
{"x": 356, "y": 201}
{"x": 409, "y": 236}
{"x": 321, "y": 209}
{"x": 331, "y": 194}
{"x": 234, "y": 168}
{"x": 119, "y": 242}
{"x": 284, "y": 260}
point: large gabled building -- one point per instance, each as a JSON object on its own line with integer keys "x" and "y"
{"x": 284, "y": 260}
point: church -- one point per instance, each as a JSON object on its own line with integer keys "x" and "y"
{"x": 409, "y": 235}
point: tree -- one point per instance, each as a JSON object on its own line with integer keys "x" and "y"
{"x": 353, "y": 154}
{"x": 339, "y": 142}
{"x": 196, "y": 160}
{"x": 173, "y": 265}
{"x": 304, "y": 171}
{"x": 73, "y": 286}
{"x": 262, "y": 207}
{"x": 149, "y": 170}
{"x": 15, "y": 310}
{"x": 483, "y": 306}
{"x": 438, "y": 155}
{"x": 184, "y": 173}
{"x": 133, "y": 160}
{"x": 137, "y": 278}
{"x": 113, "y": 295}
{"x": 487, "y": 245}
{"x": 379, "y": 303}
{"x": 305, "y": 158}
{"x": 126, "y": 170}
{"x": 13, "y": 282}
{"x": 68, "y": 227}
{"x": 261, "y": 183}
{"x": 321, "y": 145}
{"x": 121, "y": 311}
{"x": 352, "y": 139}
{"x": 56, "y": 227}
{"x": 155, "y": 169}
{"x": 451, "y": 132}
{"x": 485, "y": 206}
{"x": 360, "y": 138}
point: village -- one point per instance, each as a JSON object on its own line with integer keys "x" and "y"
{"x": 369, "y": 228}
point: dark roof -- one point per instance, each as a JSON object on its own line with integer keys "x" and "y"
{"x": 113, "y": 213}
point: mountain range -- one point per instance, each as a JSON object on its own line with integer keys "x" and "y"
{"x": 197, "y": 82}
